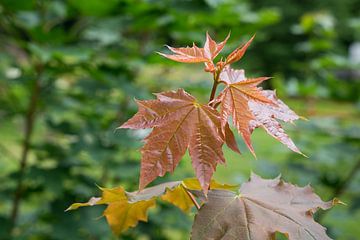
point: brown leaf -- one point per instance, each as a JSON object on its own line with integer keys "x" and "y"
{"x": 195, "y": 54}
{"x": 262, "y": 208}
{"x": 238, "y": 53}
{"x": 179, "y": 123}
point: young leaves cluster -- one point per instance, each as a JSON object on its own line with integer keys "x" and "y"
{"x": 181, "y": 123}
{"x": 257, "y": 210}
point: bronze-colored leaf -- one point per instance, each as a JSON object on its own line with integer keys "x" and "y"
{"x": 179, "y": 123}
{"x": 195, "y": 54}
{"x": 230, "y": 139}
{"x": 262, "y": 208}
{"x": 266, "y": 116}
{"x": 234, "y": 101}
{"x": 251, "y": 107}
{"x": 238, "y": 53}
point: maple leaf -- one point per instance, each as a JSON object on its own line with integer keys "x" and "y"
{"x": 230, "y": 139}
{"x": 251, "y": 107}
{"x": 195, "y": 54}
{"x": 262, "y": 208}
{"x": 234, "y": 100}
{"x": 179, "y": 123}
{"x": 120, "y": 213}
{"x": 125, "y": 209}
{"x": 266, "y": 115}
{"x": 239, "y": 52}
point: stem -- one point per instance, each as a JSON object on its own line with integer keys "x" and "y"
{"x": 191, "y": 196}
{"x": 215, "y": 84}
{"x": 213, "y": 90}
{"x": 28, "y": 129}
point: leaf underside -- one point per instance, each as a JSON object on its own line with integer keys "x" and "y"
{"x": 262, "y": 208}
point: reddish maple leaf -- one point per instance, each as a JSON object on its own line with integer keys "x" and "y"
{"x": 239, "y": 52}
{"x": 179, "y": 123}
{"x": 251, "y": 107}
{"x": 195, "y": 54}
{"x": 266, "y": 115}
{"x": 234, "y": 101}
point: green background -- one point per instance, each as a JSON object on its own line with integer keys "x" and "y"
{"x": 72, "y": 69}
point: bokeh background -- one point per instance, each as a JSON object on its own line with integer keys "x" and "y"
{"x": 69, "y": 71}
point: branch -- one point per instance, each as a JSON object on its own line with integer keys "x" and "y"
{"x": 28, "y": 129}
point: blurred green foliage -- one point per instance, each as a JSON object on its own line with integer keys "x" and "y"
{"x": 75, "y": 66}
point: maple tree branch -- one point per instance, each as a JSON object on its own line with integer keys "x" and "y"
{"x": 29, "y": 126}
{"x": 191, "y": 196}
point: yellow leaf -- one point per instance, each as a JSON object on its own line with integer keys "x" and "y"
{"x": 180, "y": 198}
{"x": 120, "y": 214}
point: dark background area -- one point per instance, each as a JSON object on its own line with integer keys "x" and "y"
{"x": 69, "y": 71}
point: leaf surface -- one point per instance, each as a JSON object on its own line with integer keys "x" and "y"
{"x": 234, "y": 101}
{"x": 251, "y": 107}
{"x": 262, "y": 208}
{"x": 179, "y": 123}
{"x": 266, "y": 116}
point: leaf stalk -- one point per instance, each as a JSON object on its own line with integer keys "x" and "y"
{"x": 191, "y": 196}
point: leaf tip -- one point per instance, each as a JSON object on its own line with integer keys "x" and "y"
{"x": 337, "y": 201}
{"x": 69, "y": 208}
{"x": 304, "y": 118}
{"x": 304, "y": 155}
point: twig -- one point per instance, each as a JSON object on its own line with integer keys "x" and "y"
{"x": 216, "y": 75}
{"x": 213, "y": 90}
{"x": 29, "y": 126}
